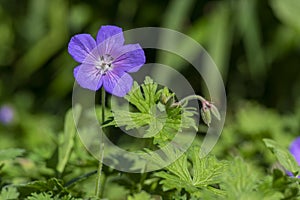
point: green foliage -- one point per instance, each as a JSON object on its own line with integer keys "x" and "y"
{"x": 287, "y": 12}
{"x": 9, "y": 193}
{"x": 283, "y": 155}
{"x": 52, "y": 185}
{"x": 202, "y": 174}
{"x": 8, "y": 154}
{"x": 189, "y": 177}
{"x": 247, "y": 127}
{"x": 144, "y": 97}
{"x": 64, "y": 150}
{"x": 161, "y": 120}
{"x": 140, "y": 196}
{"x": 49, "y": 196}
{"x": 240, "y": 179}
{"x": 279, "y": 186}
{"x": 116, "y": 191}
{"x": 40, "y": 196}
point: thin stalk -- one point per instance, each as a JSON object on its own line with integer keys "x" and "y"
{"x": 99, "y": 190}
{"x": 79, "y": 178}
{"x": 191, "y": 97}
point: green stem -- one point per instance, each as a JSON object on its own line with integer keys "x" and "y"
{"x": 98, "y": 192}
{"x": 191, "y": 97}
{"x": 79, "y": 178}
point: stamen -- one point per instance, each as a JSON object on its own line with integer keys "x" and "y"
{"x": 104, "y": 64}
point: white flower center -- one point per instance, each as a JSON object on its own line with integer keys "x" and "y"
{"x": 104, "y": 63}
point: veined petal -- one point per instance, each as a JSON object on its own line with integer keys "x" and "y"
{"x": 87, "y": 76}
{"x": 131, "y": 59}
{"x": 116, "y": 53}
{"x": 108, "y": 31}
{"x": 109, "y": 38}
{"x": 117, "y": 83}
{"x": 80, "y": 46}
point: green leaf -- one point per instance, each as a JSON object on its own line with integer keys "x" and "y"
{"x": 239, "y": 180}
{"x": 54, "y": 185}
{"x": 8, "y": 154}
{"x": 287, "y": 11}
{"x": 9, "y": 193}
{"x": 144, "y": 97}
{"x": 116, "y": 189}
{"x": 157, "y": 114}
{"x": 131, "y": 120}
{"x": 170, "y": 182}
{"x": 40, "y": 196}
{"x": 247, "y": 16}
{"x": 53, "y": 160}
{"x": 204, "y": 173}
{"x": 285, "y": 158}
{"x": 273, "y": 186}
{"x": 66, "y": 147}
{"x": 49, "y": 196}
{"x": 140, "y": 196}
{"x": 180, "y": 168}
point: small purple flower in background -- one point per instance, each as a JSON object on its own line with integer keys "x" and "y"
{"x": 6, "y": 114}
{"x": 295, "y": 149}
{"x": 106, "y": 61}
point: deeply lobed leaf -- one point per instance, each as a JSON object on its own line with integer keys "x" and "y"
{"x": 159, "y": 118}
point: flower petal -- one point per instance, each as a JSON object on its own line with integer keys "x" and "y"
{"x": 295, "y": 149}
{"x": 108, "y": 31}
{"x": 6, "y": 114}
{"x": 131, "y": 59}
{"x": 80, "y": 46}
{"x": 117, "y": 83}
{"x": 75, "y": 71}
{"x": 87, "y": 76}
{"x": 109, "y": 38}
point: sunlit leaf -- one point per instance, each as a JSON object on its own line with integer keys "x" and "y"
{"x": 54, "y": 185}
{"x": 239, "y": 180}
{"x": 283, "y": 155}
{"x": 154, "y": 119}
{"x": 9, "y": 193}
{"x": 204, "y": 172}
{"x": 140, "y": 196}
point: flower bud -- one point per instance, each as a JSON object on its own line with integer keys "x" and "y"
{"x": 206, "y": 116}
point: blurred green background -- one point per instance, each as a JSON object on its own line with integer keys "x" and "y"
{"x": 255, "y": 44}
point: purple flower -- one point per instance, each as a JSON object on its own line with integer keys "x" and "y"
{"x": 106, "y": 61}
{"x": 6, "y": 114}
{"x": 295, "y": 151}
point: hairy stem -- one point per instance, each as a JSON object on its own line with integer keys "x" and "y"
{"x": 99, "y": 190}
{"x": 191, "y": 97}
